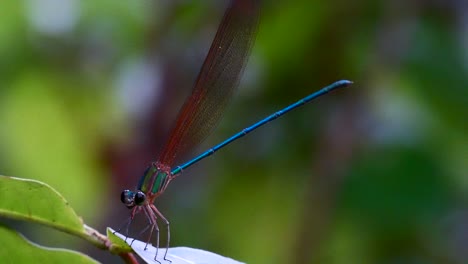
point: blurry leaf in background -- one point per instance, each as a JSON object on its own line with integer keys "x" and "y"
{"x": 44, "y": 140}
{"x": 396, "y": 205}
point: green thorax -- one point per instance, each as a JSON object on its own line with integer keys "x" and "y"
{"x": 154, "y": 179}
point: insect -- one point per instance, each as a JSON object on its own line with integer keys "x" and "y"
{"x": 202, "y": 110}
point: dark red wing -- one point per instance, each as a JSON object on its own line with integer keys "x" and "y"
{"x": 217, "y": 80}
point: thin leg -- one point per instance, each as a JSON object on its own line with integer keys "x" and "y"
{"x": 168, "y": 229}
{"x": 125, "y": 224}
{"x": 146, "y": 228}
{"x": 152, "y": 221}
{"x": 141, "y": 233}
{"x": 127, "y": 228}
{"x": 128, "y": 222}
{"x": 154, "y": 224}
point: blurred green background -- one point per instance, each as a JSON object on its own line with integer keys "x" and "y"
{"x": 376, "y": 173}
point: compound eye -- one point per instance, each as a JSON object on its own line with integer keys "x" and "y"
{"x": 128, "y": 198}
{"x": 140, "y": 198}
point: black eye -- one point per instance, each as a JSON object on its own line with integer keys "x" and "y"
{"x": 140, "y": 198}
{"x": 128, "y": 198}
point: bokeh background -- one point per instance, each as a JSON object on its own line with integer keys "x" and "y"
{"x": 376, "y": 173}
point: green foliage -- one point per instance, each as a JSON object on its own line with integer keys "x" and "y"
{"x": 16, "y": 249}
{"x": 118, "y": 244}
{"x": 36, "y": 202}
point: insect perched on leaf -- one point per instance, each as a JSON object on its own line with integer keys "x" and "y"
{"x": 203, "y": 109}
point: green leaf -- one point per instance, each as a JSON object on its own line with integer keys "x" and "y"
{"x": 16, "y": 249}
{"x": 34, "y": 201}
{"x": 119, "y": 245}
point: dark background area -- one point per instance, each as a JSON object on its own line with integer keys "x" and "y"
{"x": 375, "y": 173}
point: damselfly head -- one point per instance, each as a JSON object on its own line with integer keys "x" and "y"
{"x": 130, "y": 199}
